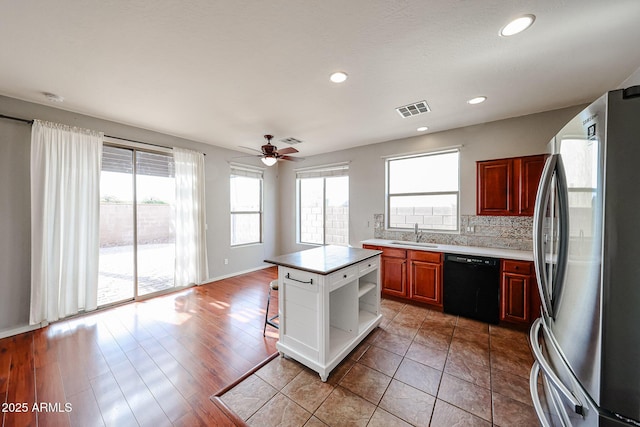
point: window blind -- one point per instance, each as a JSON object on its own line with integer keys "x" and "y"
{"x": 246, "y": 171}
{"x": 340, "y": 169}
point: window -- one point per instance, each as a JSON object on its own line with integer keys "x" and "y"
{"x": 246, "y": 205}
{"x": 423, "y": 189}
{"x": 323, "y": 205}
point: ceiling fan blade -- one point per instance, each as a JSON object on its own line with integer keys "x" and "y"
{"x": 294, "y": 159}
{"x": 288, "y": 150}
{"x": 249, "y": 148}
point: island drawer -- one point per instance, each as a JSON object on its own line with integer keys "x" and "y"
{"x": 342, "y": 277}
{"x": 367, "y": 265}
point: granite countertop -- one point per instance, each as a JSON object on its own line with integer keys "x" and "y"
{"x": 324, "y": 259}
{"x": 453, "y": 249}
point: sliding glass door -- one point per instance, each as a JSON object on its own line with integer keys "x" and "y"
{"x": 155, "y": 222}
{"x": 137, "y": 233}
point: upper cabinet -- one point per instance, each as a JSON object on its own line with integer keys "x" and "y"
{"x": 508, "y": 186}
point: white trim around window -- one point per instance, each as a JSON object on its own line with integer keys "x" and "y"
{"x": 423, "y": 189}
{"x": 245, "y": 206}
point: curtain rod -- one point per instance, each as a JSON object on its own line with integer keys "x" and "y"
{"x": 18, "y": 119}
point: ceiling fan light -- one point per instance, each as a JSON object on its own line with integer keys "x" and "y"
{"x": 269, "y": 161}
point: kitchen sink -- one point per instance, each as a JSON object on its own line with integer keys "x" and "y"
{"x": 424, "y": 245}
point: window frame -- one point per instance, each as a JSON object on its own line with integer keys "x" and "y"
{"x": 247, "y": 172}
{"x": 324, "y": 172}
{"x": 389, "y": 195}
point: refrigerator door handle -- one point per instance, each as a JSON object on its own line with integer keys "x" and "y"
{"x": 544, "y": 190}
{"x": 563, "y": 418}
{"x": 563, "y": 237}
{"x": 535, "y": 397}
{"x": 548, "y": 370}
{"x": 552, "y": 165}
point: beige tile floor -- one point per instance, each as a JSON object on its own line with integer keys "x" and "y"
{"x": 420, "y": 367}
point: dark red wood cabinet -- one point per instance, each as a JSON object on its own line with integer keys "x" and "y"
{"x": 393, "y": 270}
{"x": 508, "y": 186}
{"x": 519, "y": 299}
{"x": 425, "y": 276}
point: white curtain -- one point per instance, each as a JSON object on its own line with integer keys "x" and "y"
{"x": 191, "y": 245}
{"x": 65, "y": 220}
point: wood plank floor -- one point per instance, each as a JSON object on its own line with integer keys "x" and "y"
{"x": 155, "y": 362}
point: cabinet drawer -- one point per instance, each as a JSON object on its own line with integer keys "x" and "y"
{"x": 393, "y": 252}
{"x": 342, "y": 277}
{"x": 519, "y": 267}
{"x": 426, "y": 256}
{"x": 367, "y": 265}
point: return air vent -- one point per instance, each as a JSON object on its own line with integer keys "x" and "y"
{"x": 413, "y": 109}
{"x": 290, "y": 141}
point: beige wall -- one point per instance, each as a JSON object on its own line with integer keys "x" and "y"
{"x": 15, "y": 235}
{"x": 518, "y": 136}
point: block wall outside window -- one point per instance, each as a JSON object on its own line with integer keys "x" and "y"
{"x": 323, "y": 206}
{"x": 423, "y": 189}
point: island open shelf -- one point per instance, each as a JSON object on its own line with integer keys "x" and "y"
{"x": 329, "y": 302}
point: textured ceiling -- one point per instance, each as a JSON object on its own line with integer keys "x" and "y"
{"x": 227, "y": 72}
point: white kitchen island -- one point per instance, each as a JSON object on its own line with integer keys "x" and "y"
{"x": 329, "y": 301}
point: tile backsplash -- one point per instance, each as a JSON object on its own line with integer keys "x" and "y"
{"x": 506, "y": 232}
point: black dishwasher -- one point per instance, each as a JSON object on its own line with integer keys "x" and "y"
{"x": 471, "y": 287}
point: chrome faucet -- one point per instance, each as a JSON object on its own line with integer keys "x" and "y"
{"x": 416, "y": 232}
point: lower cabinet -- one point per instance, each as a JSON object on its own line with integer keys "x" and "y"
{"x": 393, "y": 271}
{"x": 418, "y": 276}
{"x": 519, "y": 300}
{"x": 425, "y": 276}
{"x": 415, "y": 275}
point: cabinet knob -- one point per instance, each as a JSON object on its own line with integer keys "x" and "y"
{"x": 345, "y": 276}
{"x": 369, "y": 265}
{"x": 517, "y": 267}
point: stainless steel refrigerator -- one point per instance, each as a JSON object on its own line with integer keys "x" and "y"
{"x": 587, "y": 258}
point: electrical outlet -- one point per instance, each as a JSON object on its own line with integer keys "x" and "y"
{"x": 226, "y": 261}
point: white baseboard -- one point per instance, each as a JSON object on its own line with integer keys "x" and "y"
{"x": 21, "y": 330}
{"x": 226, "y": 276}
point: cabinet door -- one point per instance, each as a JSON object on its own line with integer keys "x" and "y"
{"x": 394, "y": 276}
{"x": 494, "y": 192}
{"x": 515, "y": 298}
{"x": 530, "y": 171}
{"x": 425, "y": 280}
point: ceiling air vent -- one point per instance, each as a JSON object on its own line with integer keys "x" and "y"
{"x": 290, "y": 141}
{"x": 413, "y": 109}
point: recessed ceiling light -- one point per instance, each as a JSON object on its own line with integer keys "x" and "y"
{"x": 422, "y": 128}
{"x": 518, "y": 25}
{"x": 477, "y": 100}
{"x": 52, "y": 97}
{"x": 338, "y": 77}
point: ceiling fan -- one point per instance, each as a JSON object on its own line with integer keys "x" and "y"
{"x": 270, "y": 153}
